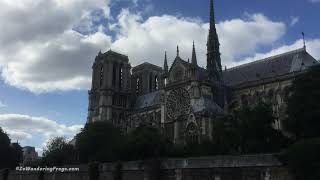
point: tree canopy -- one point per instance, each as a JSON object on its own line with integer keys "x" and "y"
{"x": 11, "y": 154}
{"x": 100, "y": 141}
{"x": 303, "y": 107}
{"x": 255, "y": 130}
{"x": 147, "y": 142}
{"x": 58, "y": 152}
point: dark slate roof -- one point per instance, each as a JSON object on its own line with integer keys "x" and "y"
{"x": 202, "y": 72}
{"x": 110, "y": 52}
{"x": 148, "y": 100}
{"x": 270, "y": 67}
{"x": 148, "y": 66}
{"x": 206, "y": 104}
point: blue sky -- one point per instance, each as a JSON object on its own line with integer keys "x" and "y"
{"x": 47, "y": 48}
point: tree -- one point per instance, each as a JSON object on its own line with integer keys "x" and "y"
{"x": 58, "y": 152}
{"x": 11, "y": 154}
{"x": 147, "y": 142}
{"x": 100, "y": 141}
{"x": 16, "y": 154}
{"x": 303, "y": 107}
{"x": 254, "y": 126}
{"x": 226, "y": 136}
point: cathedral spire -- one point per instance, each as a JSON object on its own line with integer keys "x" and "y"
{"x": 165, "y": 65}
{"x": 194, "y": 56}
{"x": 178, "y": 52}
{"x": 213, "y": 51}
{"x": 212, "y": 16}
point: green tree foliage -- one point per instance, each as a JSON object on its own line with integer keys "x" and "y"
{"x": 100, "y": 141}
{"x": 58, "y": 152}
{"x": 147, "y": 142}
{"x": 303, "y": 105}
{"x": 303, "y": 158}
{"x": 16, "y": 153}
{"x": 226, "y": 136}
{"x": 254, "y": 126}
{"x": 249, "y": 130}
{"x": 11, "y": 154}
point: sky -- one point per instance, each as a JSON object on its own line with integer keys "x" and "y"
{"x": 47, "y": 48}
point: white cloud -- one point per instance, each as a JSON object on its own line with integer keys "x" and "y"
{"x": 243, "y": 37}
{"x": 294, "y": 20}
{"x": 147, "y": 40}
{"x": 24, "y": 127}
{"x": 62, "y": 63}
{"x": 313, "y": 47}
{"x": 41, "y": 52}
{"x": 314, "y": 1}
{"x": 39, "y": 49}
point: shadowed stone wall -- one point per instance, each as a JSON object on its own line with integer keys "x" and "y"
{"x": 249, "y": 167}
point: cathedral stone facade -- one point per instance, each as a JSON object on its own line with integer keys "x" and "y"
{"x": 185, "y": 100}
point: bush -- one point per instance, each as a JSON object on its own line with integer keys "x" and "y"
{"x": 94, "y": 171}
{"x": 303, "y": 159}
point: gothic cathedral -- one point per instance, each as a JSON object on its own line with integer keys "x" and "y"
{"x": 185, "y": 99}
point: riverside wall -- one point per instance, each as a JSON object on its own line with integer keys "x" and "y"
{"x": 248, "y": 167}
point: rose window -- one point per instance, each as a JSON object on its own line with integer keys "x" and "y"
{"x": 178, "y": 103}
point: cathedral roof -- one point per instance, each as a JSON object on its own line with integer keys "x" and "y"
{"x": 147, "y": 100}
{"x": 110, "y": 52}
{"x": 271, "y": 67}
{"x": 147, "y": 65}
{"x": 206, "y": 104}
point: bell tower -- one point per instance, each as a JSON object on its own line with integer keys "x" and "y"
{"x": 109, "y": 97}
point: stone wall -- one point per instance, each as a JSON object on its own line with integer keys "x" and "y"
{"x": 249, "y": 167}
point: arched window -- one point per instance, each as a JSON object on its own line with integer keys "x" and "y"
{"x": 192, "y": 134}
{"x": 101, "y": 75}
{"x": 120, "y": 76}
{"x": 156, "y": 84}
{"x": 138, "y": 86}
{"x": 150, "y": 82}
{"x": 114, "y": 74}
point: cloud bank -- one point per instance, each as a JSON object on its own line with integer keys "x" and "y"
{"x": 50, "y": 45}
{"x": 24, "y": 127}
